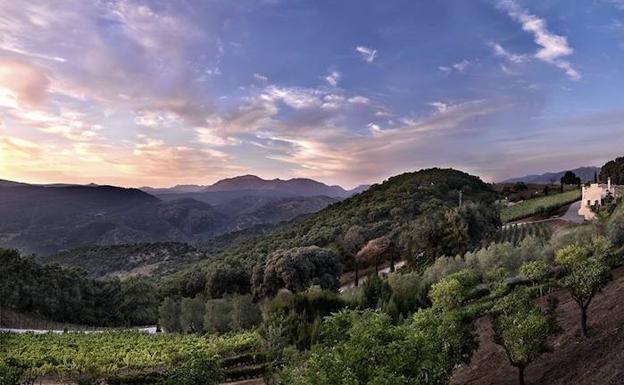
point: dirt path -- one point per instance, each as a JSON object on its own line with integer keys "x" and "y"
{"x": 574, "y": 360}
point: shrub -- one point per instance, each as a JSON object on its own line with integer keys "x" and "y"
{"x": 196, "y": 369}
{"x": 10, "y": 375}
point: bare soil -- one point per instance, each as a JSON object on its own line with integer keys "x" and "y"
{"x": 598, "y": 359}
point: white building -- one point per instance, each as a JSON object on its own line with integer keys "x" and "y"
{"x": 594, "y": 196}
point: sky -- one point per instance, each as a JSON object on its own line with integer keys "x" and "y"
{"x": 347, "y": 92}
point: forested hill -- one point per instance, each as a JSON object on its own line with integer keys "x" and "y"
{"x": 380, "y": 208}
{"x": 387, "y": 209}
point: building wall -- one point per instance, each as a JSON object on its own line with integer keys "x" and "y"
{"x": 593, "y": 196}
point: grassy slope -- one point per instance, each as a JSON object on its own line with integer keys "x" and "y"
{"x": 534, "y": 206}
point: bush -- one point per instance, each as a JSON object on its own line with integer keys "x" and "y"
{"x": 196, "y": 369}
{"x": 10, "y": 375}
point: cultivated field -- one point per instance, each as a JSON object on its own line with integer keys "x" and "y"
{"x": 539, "y": 205}
{"x": 101, "y": 354}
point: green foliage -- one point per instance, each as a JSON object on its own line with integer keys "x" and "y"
{"x": 570, "y": 178}
{"x": 521, "y": 329}
{"x": 218, "y": 316}
{"x": 192, "y": 314}
{"x": 584, "y": 280}
{"x": 366, "y": 348}
{"x": 199, "y": 368}
{"x": 451, "y": 292}
{"x": 615, "y": 228}
{"x": 68, "y": 295}
{"x": 169, "y": 315}
{"x": 454, "y": 231}
{"x": 245, "y": 313}
{"x": 534, "y": 271}
{"x": 375, "y": 291}
{"x": 538, "y": 205}
{"x": 290, "y": 319}
{"x": 108, "y": 353}
{"x": 139, "y": 301}
{"x": 296, "y": 270}
{"x": 516, "y": 233}
{"x": 571, "y": 256}
{"x": 10, "y": 375}
{"x": 613, "y": 169}
{"x": 227, "y": 279}
{"x": 375, "y": 212}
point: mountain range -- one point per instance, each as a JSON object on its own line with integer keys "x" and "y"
{"x": 585, "y": 173}
{"x": 255, "y": 184}
{"x": 46, "y": 219}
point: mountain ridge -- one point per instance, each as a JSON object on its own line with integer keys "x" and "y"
{"x": 586, "y": 173}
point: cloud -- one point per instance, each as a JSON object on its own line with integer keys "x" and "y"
{"x": 260, "y": 78}
{"x": 511, "y": 57}
{"x": 358, "y": 99}
{"x": 367, "y": 54}
{"x": 462, "y": 65}
{"x": 68, "y": 124}
{"x": 440, "y": 106}
{"x": 553, "y": 47}
{"x": 332, "y": 78}
{"x": 22, "y": 83}
{"x": 459, "y": 67}
{"x": 117, "y": 54}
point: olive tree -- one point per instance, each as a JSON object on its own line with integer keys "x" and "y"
{"x": 522, "y": 330}
{"x": 586, "y": 275}
{"x": 583, "y": 282}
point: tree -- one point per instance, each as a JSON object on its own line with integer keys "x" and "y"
{"x": 218, "y": 316}
{"x": 227, "y": 279}
{"x": 451, "y": 292}
{"x": 139, "y": 303}
{"x": 351, "y": 243}
{"x": 522, "y": 330}
{"x": 366, "y": 348}
{"x": 534, "y": 271}
{"x": 192, "y": 314}
{"x": 584, "y": 280}
{"x": 613, "y": 169}
{"x": 245, "y": 313}
{"x": 452, "y": 231}
{"x": 169, "y": 315}
{"x": 297, "y": 269}
{"x": 570, "y": 178}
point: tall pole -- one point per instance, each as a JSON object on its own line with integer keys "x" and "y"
{"x": 460, "y": 198}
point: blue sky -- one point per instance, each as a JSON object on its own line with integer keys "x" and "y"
{"x": 161, "y": 93}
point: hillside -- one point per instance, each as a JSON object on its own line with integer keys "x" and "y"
{"x": 134, "y": 259}
{"x": 44, "y": 220}
{"x": 585, "y": 173}
{"x": 574, "y": 361}
{"x": 47, "y": 219}
{"x": 381, "y": 209}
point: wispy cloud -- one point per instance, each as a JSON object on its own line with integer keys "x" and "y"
{"x": 511, "y": 57}
{"x": 554, "y": 48}
{"x": 458, "y": 67}
{"x": 332, "y": 78}
{"x": 367, "y": 54}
